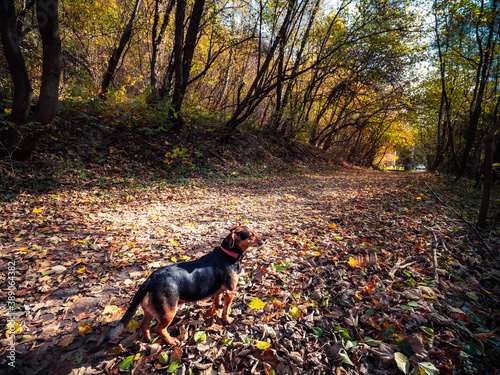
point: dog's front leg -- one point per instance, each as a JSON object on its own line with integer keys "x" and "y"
{"x": 228, "y": 299}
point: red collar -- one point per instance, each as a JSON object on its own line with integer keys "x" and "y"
{"x": 231, "y": 253}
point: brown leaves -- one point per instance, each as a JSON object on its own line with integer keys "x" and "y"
{"x": 345, "y": 280}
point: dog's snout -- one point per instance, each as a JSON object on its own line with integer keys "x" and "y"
{"x": 262, "y": 240}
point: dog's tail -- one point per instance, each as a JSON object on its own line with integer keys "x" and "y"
{"x": 129, "y": 314}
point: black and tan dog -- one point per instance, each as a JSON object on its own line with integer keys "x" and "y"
{"x": 210, "y": 275}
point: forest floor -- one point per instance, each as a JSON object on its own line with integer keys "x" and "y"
{"x": 362, "y": 272}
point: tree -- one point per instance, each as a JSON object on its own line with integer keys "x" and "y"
{"x": 22, "y": 139}
{"x": 466, "y": 61}
{"x": 116, "y": 55}
{"x": 183, "y": 54}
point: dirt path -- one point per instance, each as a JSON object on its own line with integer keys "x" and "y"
{"x": 80, "y": 255}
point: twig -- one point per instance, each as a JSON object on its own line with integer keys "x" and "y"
{"x": 434, "y": 255}
{"x": 465, "y": 221}
{"x": 398, "y": 266}
{"x": 491, "y": 230}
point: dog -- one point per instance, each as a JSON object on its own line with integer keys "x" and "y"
{"x": 211, "y": 275}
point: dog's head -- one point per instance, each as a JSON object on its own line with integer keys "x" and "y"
{"x": 243, "y": 237}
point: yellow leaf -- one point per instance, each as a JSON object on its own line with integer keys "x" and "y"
{"x": 295, "y": 312}
{"x": 116, "y": 350}
{"x": 65, "y": 341}
{"x": 262, "y": 345}
{"x": 82, "y": 241}
{"x": 81, "y": 270}
{"x": 313, "y": 253}
{"x": 8, "y": 111}
{"x": 174, "y": 242}
{"x": 426, "y": 296}
{"x": 256, "y": 304}
{"x": 37, "y": 210}
{"x": 184, "y": 257}
{"x": 173, "y": 259}
{"x": 472, "y": 296}
{"x": 131, "y": 244}
{"x": 111, "y": 309}
{"x": 84, "y": 329}
{"x": 332, "y": 226}
{"x": 132, "y": 326}
{"x": 13, "y": 329}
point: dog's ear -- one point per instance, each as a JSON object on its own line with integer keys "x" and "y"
{"x": 232, "y": 237}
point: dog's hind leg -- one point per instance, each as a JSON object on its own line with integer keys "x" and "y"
{"x": 163, "y": 323}
{"x": 145, "y": 323}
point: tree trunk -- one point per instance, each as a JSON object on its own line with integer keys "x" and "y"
{"x": 180, "y": 12}
{"x": 117, "y": 52}
{"x": 483, "y": 71}
{"x": 23, "y": 139}
{"x": 52, "y": 60}
{"x": 184, "y": 52}
{"x": 488, "y": 176}
{"x": 255, "y": 93}
{"x": 23, "y": 92}
{"x": 157, "y": 37}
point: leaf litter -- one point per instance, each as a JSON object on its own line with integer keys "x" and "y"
{"x": 362, "y": 272}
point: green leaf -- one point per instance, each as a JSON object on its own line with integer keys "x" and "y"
{"x": 77, "y": 358}
{"x": 388, "y": 331}
{"x": 277, "y": 267}
{"x": 345, "y": 357}
{"x": 370, "y": 312}
{"x": 405, "y": 346}
{"x": 126, "y": 363}
{"x": 163, "y": 358}
{"x": 228, "y": 341}
{"x": 246, "y": 340}
{"x": 317, "y": 331}
{"x": 402, "y": 362}
{"x": 413, "y": 303}
{"x": 428, "y": 331}
{"x": 174, "y": 366}
{"x": 343, "y": 332}
{"x": 371, "y": 342}
{"x": 405, "y": 307}
{"x": 200, "y": 336}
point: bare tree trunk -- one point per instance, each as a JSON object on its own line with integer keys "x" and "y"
{"x": 255, "y": 93}
{"x": 184, "y": 52}
{"x": 157, "y": 36}
{"x": 23, "y": 139}
{"x": 47, "y": 13}
{"x": 23, "y": 92}
{"x": 180, "y": 12}
{"x": 488, "y": 176}
{"x": 117, "y": 52}
{"x": 483, "y": 70}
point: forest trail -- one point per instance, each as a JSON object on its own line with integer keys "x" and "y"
{"x": 344, "y": 284}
